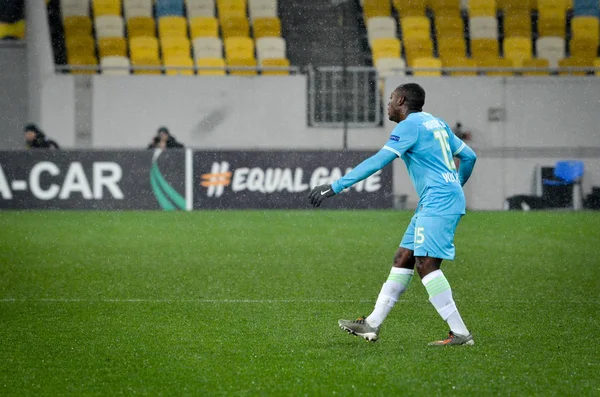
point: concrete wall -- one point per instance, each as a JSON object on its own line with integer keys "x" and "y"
{"x": 13, "y": 100}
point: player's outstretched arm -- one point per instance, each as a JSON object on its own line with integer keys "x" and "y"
{"x": 467, "y": 162}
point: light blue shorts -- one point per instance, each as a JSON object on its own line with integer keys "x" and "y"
{"x": 431, "y": 236}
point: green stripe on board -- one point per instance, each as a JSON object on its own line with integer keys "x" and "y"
{"x": 173, "y": 195}
{"x": 163, "y": 201}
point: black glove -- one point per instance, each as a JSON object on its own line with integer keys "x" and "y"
{"x": 320, "y": 193}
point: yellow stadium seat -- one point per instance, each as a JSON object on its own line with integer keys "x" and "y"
{"x": 415, "y": 27}
{"x": 77, "y": 26}
{"x": 172, "y": 27}
{"x": 175, "y": 47}
{"x": 80, "y": 46}
{"x": 16, "y": 30}
{"x": 266, "y": 27}
{"x": 142, "y": 47}
{"x": 535, "y": 63}
{"x": 216, "y": 65}
{"x": 231, "y": 9}
{"x": 461, "y": 62}
{"x": 141, "y": 62}
{"x": 376, "y": 8}
{"x": 442, "y": 7}
{"x": 514, "y": 5}
{"x": 551, "y": 23}
{"x": 386, "y": 48}
{"x": 597, "y": 66}
{"x": 82, "y": 60}
{"x": 417, "y": 47}
{"x": 449, "y": 26}
{"x": 204, "y": 27}
{"x": 574, "y": 62}
{"x": 484, "y": 48}
{"x": 518, "y": 49}
{"x": 235, "y": 27}
{"x": 232, "y": 3}
{"x": 239, "y": 48}
{"x": 242, "y": 62}
{"x": 583, "y": 47}
{"x": 585, "y": 27}
{"x": 106, "y": 7}
{"x": 482, "y": 8}
{"x": 179, "y": 62}
{"x": 141, "y": 26}
{"x": 429, "y": 63}
{"x": 451, "y": 47}
{"x": 496, "y": 63}
{"x": 410, "y": 8}
{"x": 559, "y": 5}
{"x": 517, "y": 23}
{"x": 275, "y": 62}
{"x": 113, "y": 46}
{"x": 5, "y": 30}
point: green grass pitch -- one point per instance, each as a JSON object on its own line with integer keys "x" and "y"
{"x": 247, "y": 303}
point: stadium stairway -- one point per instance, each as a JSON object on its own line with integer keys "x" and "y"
{"x": 313, "y": 33}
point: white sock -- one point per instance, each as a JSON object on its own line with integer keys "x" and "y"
{"x": 440, "y": 296}
{"x": 395, "y": 285}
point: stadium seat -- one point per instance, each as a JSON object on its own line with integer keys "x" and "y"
{"x": 482, "y": 8}
{"x": 82, "y": 60}
{"x": 74, "y": 8}
{"x": 275, "y": 62}
{"x": 510, "y": 6}
{"x": 517, "y": 24}
{"x": 109, "y": 26}
{"x": 174, "y": 47}
{"x": 518, "y": 49}
{"x": 200, "y": 8}
{"x": 573, "y": 62}
{"x": 122, "y": 63}
{"x": 429, "y": 63}
{"x": 460, "y": 62}
{"x": 558, "y": 5}
{"x": 386, "y": 48}
{"x": 14, "y": 30}
{"x": 496, "y": 63}
{"x": 228, "y": 9}
{"x": 449, "y": 26}
{"x": 204, "y": 27}
{"x": 535, "y": 63}
{"x": 141, "y": 26}
{"x": 77, "y": 26}
{"x": 483, "y": 28}
{"x": 451, "y": 47}
{"x": 5, "y": 30}
{"x": 164, "y": 8}
{"x": 380, "y": 27}
{"x": 390, "y": 67}
{"x": 551, "y": 48}
{"x": 137, "y": 8}
{"x": 172, "y": 26}
{"x": 410, "y": 8}
{"x": 106, "y": 7}
{"x": 583, "y": 48}
{"x": 415, "y": 27}
{"x": 266, "y": 27}
{"x": 235, "y": 27}
{"x": 597, "y": 66}
{"x": 179, "y": 62}
{"x": 80, "y": 46}
{"x": 242, "y": 62}
{"x": 444, "y": 7}
{"x": 112, "y": 46}
{"x": 270, "y": 47}
{"x": 417, "y": 47}
{"x": 141, "y": 62}
{"x": 586, "y": 8}
{"x": 208, "y": 47}
{"x": 239, "y": 47}
{"x": 585, "y": 27}
{"x": 217, "y": 66}
{"x": 551, "y": 22}
{"x": 262, "y": 9}
{"x": 484, "y": 49}
{"x": 376, "y": 8}
{"x": 143, "y": 47}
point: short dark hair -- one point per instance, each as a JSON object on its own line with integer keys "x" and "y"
{"x": 414, "y": 95}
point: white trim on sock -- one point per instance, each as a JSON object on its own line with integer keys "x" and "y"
{"x": 431, "y": 276}
{"x": 401, "y": 270}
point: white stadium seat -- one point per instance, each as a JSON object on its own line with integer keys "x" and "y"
{"x": 270, "y": 48}
{"x": 109, "y": 26}
{"x": 380, "y": 27}
{"x": 120, "y": 62}
{"x": 200, "y": 8}
{"x": 483, "y": 28}
{"x": 208, "y": 47}
{"x": 551, "y": 48}
{"x": 262, "y": 9}
{"x": 74, "y": 8}
{"x": 390, "y": 67}
{"x": 137, "y": 8}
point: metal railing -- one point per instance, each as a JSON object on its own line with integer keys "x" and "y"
{"x": 163, "y": 69}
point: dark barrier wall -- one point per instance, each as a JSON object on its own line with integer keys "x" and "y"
{"x": 181, "y": 179}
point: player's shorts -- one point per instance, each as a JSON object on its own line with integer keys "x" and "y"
{"x": 431, "y": 236}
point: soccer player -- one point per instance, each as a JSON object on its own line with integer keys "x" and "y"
{"x": 428, "y": 147}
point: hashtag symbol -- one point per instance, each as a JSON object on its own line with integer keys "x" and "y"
{"x": 217, "y": 179}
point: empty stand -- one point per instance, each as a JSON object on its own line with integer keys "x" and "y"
{"x": 483, "y": 27}
{"x": 212, "y": 66}
{"x": 109, "y": 26}
{"x": 427, "y": 63}
{"x": 381, "y": 27}
{"x": 390, "y": 66}
{"x": 551, "y": 48}
{"x": 275, "y": 63}
{"x": 200, "y": 8}
{"x": 137, "y": 8}
{"x": 262, "y": 9}
{"x": 115, "y": 65}
{"x": 270, "y": 47}
{"x": 204, "y": 27}
{"x": 208, "y": 47}
{"x": 141, "y": 26}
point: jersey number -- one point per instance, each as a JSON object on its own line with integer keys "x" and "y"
{"x": 442, "y": 138}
